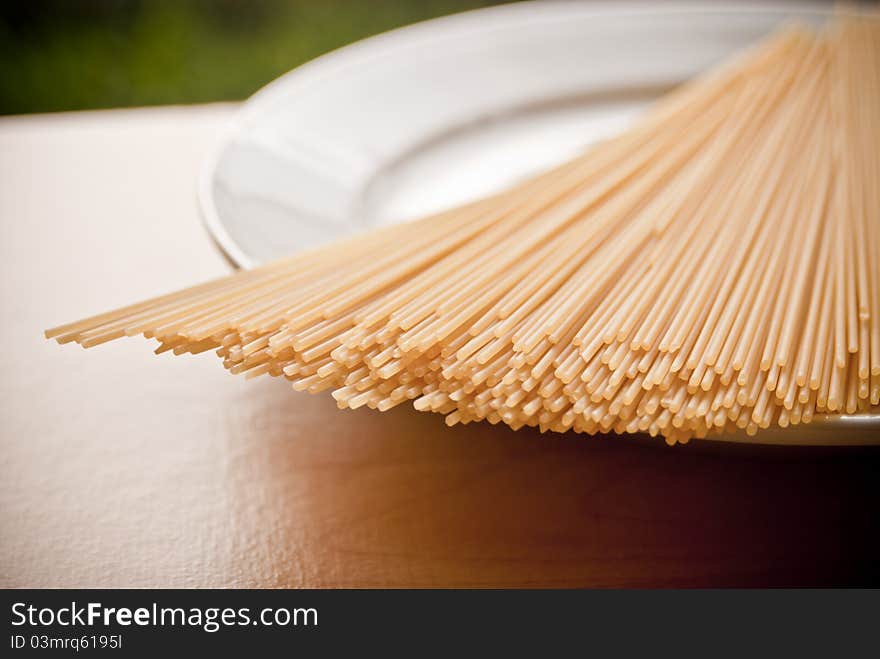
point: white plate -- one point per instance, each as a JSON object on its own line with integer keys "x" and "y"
{"x": 438, "y": 113}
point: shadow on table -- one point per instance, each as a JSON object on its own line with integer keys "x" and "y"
{"x": 398, "y": 499}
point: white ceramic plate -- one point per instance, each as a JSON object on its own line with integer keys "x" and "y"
{"x": 442, "y": 112}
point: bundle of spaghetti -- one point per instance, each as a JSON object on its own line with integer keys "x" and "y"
{"x": 713, "y": 268}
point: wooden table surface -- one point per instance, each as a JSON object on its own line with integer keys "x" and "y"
{"x": 119, "y": 468}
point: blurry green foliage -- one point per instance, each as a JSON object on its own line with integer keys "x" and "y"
{"x": 80, "y": 54}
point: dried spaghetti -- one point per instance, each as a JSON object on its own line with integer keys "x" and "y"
{"x": 712, "y": 268}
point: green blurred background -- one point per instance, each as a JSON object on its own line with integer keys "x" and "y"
{"x": 83, "y": 54}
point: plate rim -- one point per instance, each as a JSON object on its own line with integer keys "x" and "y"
{"x": 414, "y": 33}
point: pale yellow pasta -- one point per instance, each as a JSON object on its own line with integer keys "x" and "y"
{"x": 713, "y": 268}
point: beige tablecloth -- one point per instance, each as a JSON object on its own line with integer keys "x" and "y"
{"x": 119, "y": 468}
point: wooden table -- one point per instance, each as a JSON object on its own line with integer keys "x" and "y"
{"x": 120, "y": 468}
